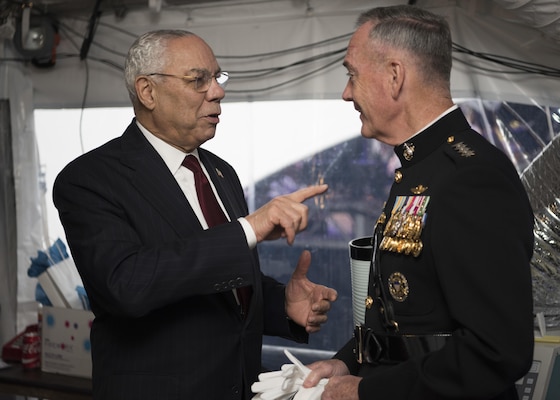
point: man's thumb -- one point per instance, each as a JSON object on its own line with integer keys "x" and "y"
{"x": 303, "y": 265}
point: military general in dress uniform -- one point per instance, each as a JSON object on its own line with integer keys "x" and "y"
{"x": 449, "y": 305}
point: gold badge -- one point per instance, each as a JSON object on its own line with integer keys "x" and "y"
{"x": 408, "y": 151}
{"x": 398, "y": 286}
{"x": 419, "y": 189}
{"x": 369, "y": 302}
{"x": 398, "y": 176}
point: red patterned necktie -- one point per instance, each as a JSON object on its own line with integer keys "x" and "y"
{"x": 213, "y": 213}
{"x": 210, "y": 208}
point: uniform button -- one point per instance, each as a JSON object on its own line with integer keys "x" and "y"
{"x": 398, "y": 176}
{"x": 217, "y": 287}
{"x": 369, "y": 302}
{"x": 232, "y": 283}
{"x": 235, "y": 390}
{"x": 239, "y": 282}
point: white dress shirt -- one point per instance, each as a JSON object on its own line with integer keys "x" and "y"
{"x": 173, "y": 158}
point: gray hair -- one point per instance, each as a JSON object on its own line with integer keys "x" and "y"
{"x": 422, "y": 33}
{"x": 147, "y": 55}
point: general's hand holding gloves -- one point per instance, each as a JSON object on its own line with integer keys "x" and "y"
{"x": 286, "y": 383}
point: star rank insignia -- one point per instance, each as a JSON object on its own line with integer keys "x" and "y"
{"x": 463, "y": 149}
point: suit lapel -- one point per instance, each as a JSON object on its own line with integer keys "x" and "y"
{"x": 222, "y": 182}
{"x": 152, "y": 178}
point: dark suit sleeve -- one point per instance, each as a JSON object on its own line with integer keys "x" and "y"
{"x": 276, "y": 321}
{"x": 481, "y": 244}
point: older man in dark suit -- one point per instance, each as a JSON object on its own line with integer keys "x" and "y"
{"x": 165, "y": 281}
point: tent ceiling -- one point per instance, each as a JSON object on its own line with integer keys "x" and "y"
{"x": 301, "y": 40}
{"x": 77, "y": 8}
{"x": 541, "y": 14}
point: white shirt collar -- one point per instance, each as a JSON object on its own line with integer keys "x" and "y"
{"x": 172, "y": 156}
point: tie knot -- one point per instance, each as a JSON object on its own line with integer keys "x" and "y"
{"x": 191, "y": 162}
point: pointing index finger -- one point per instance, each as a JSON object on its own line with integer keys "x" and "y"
{"x": 311, "y": 191}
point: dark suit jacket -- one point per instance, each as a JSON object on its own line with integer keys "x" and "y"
{"x": 167, "y": 325}
{"x": 472, "y": 277}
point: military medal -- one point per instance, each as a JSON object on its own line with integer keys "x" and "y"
{"x": 403, "y": 230}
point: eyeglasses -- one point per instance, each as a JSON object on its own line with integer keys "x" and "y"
{"x": 201, "y": 83}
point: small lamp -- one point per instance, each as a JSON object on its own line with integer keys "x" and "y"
{"x": 36, "y": 38}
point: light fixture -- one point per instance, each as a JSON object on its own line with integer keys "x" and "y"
{"x": 36, "y": 38}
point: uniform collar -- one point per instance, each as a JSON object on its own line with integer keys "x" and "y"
{"x": 430, "y": 137}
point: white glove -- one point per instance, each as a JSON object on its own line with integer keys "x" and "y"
{"x": 286, "y": 383}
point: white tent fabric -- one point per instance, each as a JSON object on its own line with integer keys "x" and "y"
{"x": 258, "y": 36}
{"x": 16, "y": 86}
{"x": 541, "y": 14}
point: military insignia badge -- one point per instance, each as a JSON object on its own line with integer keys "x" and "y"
{"x": 398, "y": 286}
{"x": 419, "y": 189}
{"x": 403, "y": 230}
{"x": 398, "y": 176}
{"x": 463, "y": 149}
{"x": 408, "y": 151}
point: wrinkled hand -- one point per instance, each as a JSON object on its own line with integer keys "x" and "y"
{"x": 340, "y": 384}
{"x": 307, "y": 303}
{"x": 283, "y": 216}
{"x": 286, "y": 383}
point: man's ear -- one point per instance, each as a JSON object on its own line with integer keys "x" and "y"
{"x": 146, "y": 92}
{"x": 397, "y": 71}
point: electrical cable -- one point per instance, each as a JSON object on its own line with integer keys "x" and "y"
{"x": 511, "y": 65}
{"x": 94, "y": 43}
{"x": 83, "y": 106}
{"x": 291, "y": 50}
{"x": 271, "y": 87}
{"x": 515, "y": 66}
{"x": 92, "y": 27}
{"x": 86, "y": 89}
{"x": 259, "y": 73}
{"x": 519, "y": 65}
